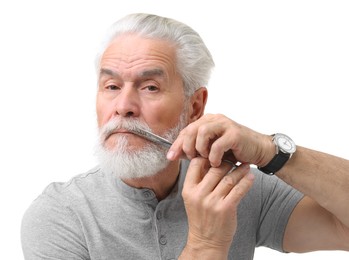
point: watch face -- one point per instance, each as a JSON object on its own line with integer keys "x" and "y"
{"x": 285, "y": 143}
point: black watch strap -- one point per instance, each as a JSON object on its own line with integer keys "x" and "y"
{"x": 276, "y": 163}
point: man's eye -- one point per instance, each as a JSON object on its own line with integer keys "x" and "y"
{"x": 152, "y": 88}
{"x": 112, "y": 87}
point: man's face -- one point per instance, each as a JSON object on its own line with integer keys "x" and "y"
{"x": 138, "y": 80}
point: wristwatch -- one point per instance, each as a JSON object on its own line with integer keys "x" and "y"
{"x": 285, "y": 147}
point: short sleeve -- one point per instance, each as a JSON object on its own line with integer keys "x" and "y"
{"x": 278, "y": 200}
{"x": 52, "y": 231}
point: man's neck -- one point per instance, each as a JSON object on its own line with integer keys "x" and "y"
{"x": 161, "y": 183}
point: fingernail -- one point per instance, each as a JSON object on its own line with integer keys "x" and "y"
{"x": 170, "y": 155}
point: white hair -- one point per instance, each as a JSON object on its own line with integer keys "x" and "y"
{"x": 193, "y": 60}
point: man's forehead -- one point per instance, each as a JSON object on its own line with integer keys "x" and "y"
{"x": 139, "y": 56}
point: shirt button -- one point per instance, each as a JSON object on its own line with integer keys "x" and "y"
{"x": 163, "y": 240}
{"x": 158, "y": 215}
{"x": 146, "y": 194}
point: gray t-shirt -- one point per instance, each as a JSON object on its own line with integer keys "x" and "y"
{"x": 97, "y": 216}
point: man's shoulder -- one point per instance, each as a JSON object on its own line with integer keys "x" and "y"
{"x": 54, "y": 217}
{"x": 83, "y": 186}
{"x": 63, "y": 198}
{"x": 79, "y": 185}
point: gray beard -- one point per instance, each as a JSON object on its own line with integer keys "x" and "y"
{"x": 130, "y": 164}
{"x": 127, "y": 164}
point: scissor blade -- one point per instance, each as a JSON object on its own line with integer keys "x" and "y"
{"x": 152, "y": 137}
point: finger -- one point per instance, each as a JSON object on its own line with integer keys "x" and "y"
{"x": 184, "y": 145}
{"x": 213, "y": 177}
{"x": 231, "y": 179}
{"x": 220, "y": 148}
{"x": 240, "y": 189}
{"x": 207, "y": 134}
{"x": 196, "y": 170}
{"x": 189, "y": 141}
{"x": 175, "y": 152}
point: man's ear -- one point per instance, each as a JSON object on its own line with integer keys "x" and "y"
{"x": 197, "y": 104}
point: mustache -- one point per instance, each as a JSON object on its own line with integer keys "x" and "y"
{"x": 116, "y": 124}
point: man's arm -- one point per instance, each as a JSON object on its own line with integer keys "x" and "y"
{"x": 321, "y": 219}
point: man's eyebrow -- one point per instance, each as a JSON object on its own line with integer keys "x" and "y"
{"x": 142, "y": 74}
{"x": 108, "y": 72}
{"x": 152, "y": 72}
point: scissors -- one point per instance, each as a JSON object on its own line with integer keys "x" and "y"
{"x": 166, "y": 143}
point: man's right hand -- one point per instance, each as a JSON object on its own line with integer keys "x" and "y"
{"x": 211, "y": 196}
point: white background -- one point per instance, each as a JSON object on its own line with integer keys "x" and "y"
{"x": 281, "y": 66}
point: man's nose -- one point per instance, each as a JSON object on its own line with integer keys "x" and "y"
{"x": 127, "y": 102}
